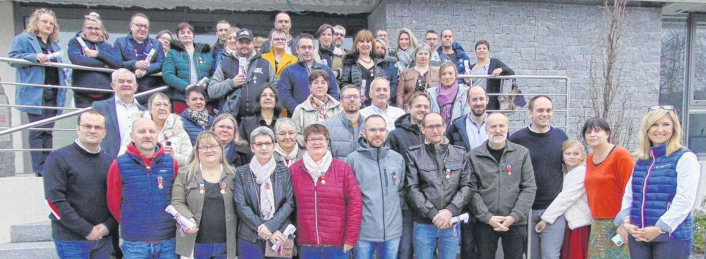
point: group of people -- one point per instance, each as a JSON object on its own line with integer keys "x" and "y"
{"x": 246, "y": 146}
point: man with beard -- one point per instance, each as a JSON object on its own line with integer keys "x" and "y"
{"x": 469, "y": 131}
{"x": 344, "y": 128}
{"x": 380, "y": 174}
{"x": 500, "y": 167}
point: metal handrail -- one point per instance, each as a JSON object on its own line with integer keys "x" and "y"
{"x": 60, "y": 65}
{"x": 37, "y": 107}
{"x": 59, "y": 87}
{"x": 44, "y": 129}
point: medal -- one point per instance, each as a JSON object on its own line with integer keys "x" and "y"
{"x": 160, "y": 182}
{"x": 223, "y": 188}
{"x": 372, "y": 72}
{"x": 323, "y": 179}
{"x": 394, "y": 177}
{"x": 267, "y": 186}
{"x": 509, "y": 169}
{"x": 201, "y": 60}
{"x": 448, "y": 173}
{"x": 202, "y": 187}
{"x": 254, "y": 80}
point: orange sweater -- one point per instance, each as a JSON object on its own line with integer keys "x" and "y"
{"x": 605, "y": 183}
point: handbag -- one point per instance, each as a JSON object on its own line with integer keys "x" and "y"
{"x": 286, "y": 251}
{"x": 518, "y": 100}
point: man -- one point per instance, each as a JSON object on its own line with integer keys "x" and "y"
{"x": 241, "y": 90}
{"x": 339, "y": 37}
{"x": 500, "y": 166}
{"x": 135, "y": 48}
{"x": 381, "y": 34}
{"x": 75, "y": 189}
{"x": 407, "y": 133}
{"x": 438, "y": 189}
{"x": 380, "y": 95}
{"x": 119, "y": 110}
{"x": 344, "y": 128}
{"x": 294, "y": 80}
{"x": 432, "y": 39}
{"x": 469, "y": 131}
{"x": 453, "y": 51}
{"x": 544, "y": 144}
{"x": 284, "y": 23}
{"x": 222, "y": 28}
{"x": 380, "y": 174}
{"x": 139, "y": 189}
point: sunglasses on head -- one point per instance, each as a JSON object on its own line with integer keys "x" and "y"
{"x": 662, "y": 107}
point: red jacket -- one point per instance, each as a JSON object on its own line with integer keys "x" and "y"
{"x": 328, "y": 214}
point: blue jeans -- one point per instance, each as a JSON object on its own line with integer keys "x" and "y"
{"x": 406, "y": 248}
{"x": 85, "y": 249}
{"x": 546, "y": 245}
{"x": 142, "y": 250}
{"x": 328, "y": 252}
{"x": 251, "y": 250}
{"x": 384, "y": 250}
{"x": 427, "y": 238}
{"x": 656, "y": 250}
{"x": 40, "y": 139}
{"x": 210, "y": 251}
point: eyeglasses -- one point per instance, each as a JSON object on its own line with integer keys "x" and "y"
{"x": 316, "y": 140}
{"x": 305, "y": 47}
{"x": 662, "y": 107}
{"x": 262, "y": 144}
{"x": 90, "y": 28}
{"x": 338, "y": 34}
{"x": 208, "y": 148}
{"x": 287, "y": 133}
{"x": 377, "y": 130}
{"x": 224, "y": 127}
{"x": 279, "y": 39}
{"x": 89, "y": 127}
{"x": 144, "y": 26}
{"x": 434, "y": 127}
{"x": 351, "y": 97}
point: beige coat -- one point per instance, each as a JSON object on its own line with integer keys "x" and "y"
{"x": 408, "y": 81}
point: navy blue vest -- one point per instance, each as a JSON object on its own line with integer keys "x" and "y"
{"x": 655, "y": 181}
{"x": 142, "y": 212}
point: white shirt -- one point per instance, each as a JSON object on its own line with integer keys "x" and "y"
{"x": 126, "y": 114}
{"x": 391, "y": 114}
{"x": 477, "y": 134}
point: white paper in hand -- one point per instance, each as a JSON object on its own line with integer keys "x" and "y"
{"x": 242, "y": 61}
{"x": 183, "y": 221}
{"x": 83, "y": 43}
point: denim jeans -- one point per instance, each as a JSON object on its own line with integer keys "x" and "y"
{"x": 384, "y": 250}
{"x": 514, "y": 241}
{"x": 142, "y": 250}
{"x": 546, "y": 245}
{"x": 328, "y": 252}
{"x": 40, "y": 139}
{"x": 251, "y": 250}
{"x": 657, "y": 250}
{"x": 210, "y": 251}
{"x": 427, "y": 238}
{"x": 84, "y": 249}
{"x": 406, "y": 249}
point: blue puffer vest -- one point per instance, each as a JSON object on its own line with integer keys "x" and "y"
{"x": 658, "y": 176}
{"x": 142, "y": 213}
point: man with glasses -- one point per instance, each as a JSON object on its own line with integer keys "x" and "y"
{"x": 345, "y": 126}
{"x": 380, "y": 95}
{"x": 381, "y": 34}
{"x": 339, "y": 37}
{"x": 283, "y": 22}
{"x": 380, "y": 175}
{"x": 135, "y": 48}
{"x": 438, "y": 189}
{"x": 222, "y": 28}
{"x": 432, "y": 39}
{"x": 75, "y": 188}
{"x": 92, "y": 51}
{"x": 294, "y": 80}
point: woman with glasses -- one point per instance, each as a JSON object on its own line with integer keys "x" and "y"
{"x": 203, "y": 193}
{"x": 267, "y": 110}
{"x": 278, "y": 57}
{"x": 172, "y": 136}
{"x": 329, "y": 203}
{"x": 417, "y": 78}
{"x": 449, "y": 98}
{"x": 659, "y": 197}
{"x": 319, "y": 106}
{"x": 287, "y": 150}
{"x": 236, "y": 149}
{"x": 165, "y": 39}
{"x": 263, "y": 197}
{"x": 608, "y": 170}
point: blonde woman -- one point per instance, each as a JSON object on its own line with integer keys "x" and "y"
{"x": 659, "y": 197}
{"x": 572, "y": 203}
{"x": 406, "y": 45}
{"x": 236, "y": 150}
{"x": 203, "y": 193}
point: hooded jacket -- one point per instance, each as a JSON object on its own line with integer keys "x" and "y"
{"x": 461, "y": 59}
{"x": 107, "y": 57}
{"x": 173, "y": 131}
{"x": 176, "y": 69}
{"x": 343, "y": 135}
{"x": 380, "y": 173}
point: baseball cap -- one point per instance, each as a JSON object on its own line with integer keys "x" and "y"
{"x": 244, "y": 34}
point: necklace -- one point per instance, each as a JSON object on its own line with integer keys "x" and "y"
{"x": 366, "y": 61}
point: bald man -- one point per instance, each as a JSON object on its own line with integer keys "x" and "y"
{"x": 500, "y": 166}
{"x": 468, "y": 131}
{"x": 140, "y": 188}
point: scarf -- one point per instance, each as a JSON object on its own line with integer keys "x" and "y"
{"x": 290, "y": 157}
{"x": 317, "y": 169}
{"x": 200, "y": 117}
{"x": 267, "y": 195}
{"x": 320, "y": 106}
{"x": 404, "y": 58}
{"x": 445, "y": 98}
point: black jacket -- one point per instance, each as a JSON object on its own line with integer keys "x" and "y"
{"x": 404, "y": 136}
{"x": 238, "y": 155}
{"x": 247, "y": 201}
{"x": 352, "y": 75}
{"x": 250, "y": 123}
{"x": 493, "y": 85}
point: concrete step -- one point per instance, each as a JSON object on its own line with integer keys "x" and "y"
{"x": 34, "y": 250}
{"x": 35, "y": 232}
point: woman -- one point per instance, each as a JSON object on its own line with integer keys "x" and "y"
{"x": 392, "y": 74}
{"x": 571, "y": 203}
{"x": 278, "y": 57}
{"x": 328, "y": 217}
{"x": 324, "y": 53}
{"x": 236, "y": 149}
{"x": 406, "y": 45}
{"x": 489, "y": 66}
{"x": 165, "y": 38}
{"x": 203, "y": 193}
{"x": 229, "y": 49}
{"x": 187, "y": 63}
{"x": 35, "y": 44}
{"x": 172, "y": 136}
{"x": 268, "y": 110}
{"x": 258, "y": 41}
{"x": 196, "y": 118}
{"x": 661, "y": 193}
{"x": 319, "y": 106}
{"x": 360, "y": 66}
{"x": 287, "y": 150}
{"x": 449, "y": 98}
{"x": 607, "y": 172}
{"x": 263, "y": 198}
{"x": 418, "y": 78}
